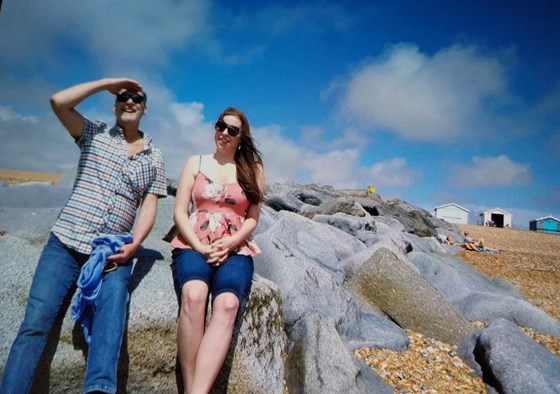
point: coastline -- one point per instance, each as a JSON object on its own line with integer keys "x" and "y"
{"x": 12, "y": 177}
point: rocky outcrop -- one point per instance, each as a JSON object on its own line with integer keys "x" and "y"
{"x": 397, "y": 273}
{"x": 339, "y": 269}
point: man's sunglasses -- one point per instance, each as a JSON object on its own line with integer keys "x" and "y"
{"x": 231, "y": 130}
{"x": 136, "y": 98}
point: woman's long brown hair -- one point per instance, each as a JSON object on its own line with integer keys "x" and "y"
{"x": 247, "y": 156}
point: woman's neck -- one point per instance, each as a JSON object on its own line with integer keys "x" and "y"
{"x": 223, "y": 159}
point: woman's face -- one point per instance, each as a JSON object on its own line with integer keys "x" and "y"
{"x": 223, "y": 137}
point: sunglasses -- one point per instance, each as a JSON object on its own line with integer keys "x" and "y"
{"x": 136, "y": 98}
{"x": 231, "y": 130}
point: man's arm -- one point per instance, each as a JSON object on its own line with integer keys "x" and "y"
{"x": 64, "y": 102}
{"x": 142, "y": 228}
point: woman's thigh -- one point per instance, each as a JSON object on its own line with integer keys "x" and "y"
{"x": 235, "y": 276}
{"x": 188, "y": 265}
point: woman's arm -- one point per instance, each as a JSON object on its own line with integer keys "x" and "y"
{"x": 182, "y": 203}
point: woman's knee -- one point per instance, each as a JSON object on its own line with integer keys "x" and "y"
{"x": 194, "y": 295}
{"x": 226, "y": 304}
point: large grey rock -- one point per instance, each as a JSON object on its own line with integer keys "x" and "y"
{"x": 311, "y": 284}
{"x": 319, "y": 362}
{"x": 342, "y": 205}
{"x": 148, "y": 356}
{"x": 510, "y": 362}
{"x": 407, "y": 298}
{"x": 362, "y": 228}
{"x": 456, "y": 279}
{"x": 481, "y": 298}
{"x": 413, "y": 219}
{"x": 255, "y": 362}
{"x": 487, "y": 307}
{"x": 291, "y": 197}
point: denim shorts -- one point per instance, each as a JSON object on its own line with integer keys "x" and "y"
{"x": 234, "y": 276}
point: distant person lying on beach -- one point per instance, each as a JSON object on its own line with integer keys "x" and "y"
{"x": 477, "y": 245}
{"x": 446, "y": 240}
{"x": 472, "y": 246}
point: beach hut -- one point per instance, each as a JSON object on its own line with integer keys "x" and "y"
{"x": 496, "y": 218}
{"x": 452, "y": 213}
{"x": 548, "y": 224}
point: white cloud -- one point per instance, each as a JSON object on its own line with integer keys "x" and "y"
{"x": 41, "y": 145}
{"x": 9, "y": 115}
{"x": 284, "y": 160}
{"x": 116, "y": 35}
{"x": 499, "y": 171}
{"x": 391, "y": 173}
{"x": 423, "y": 97}
{"x": 188, "y": 114}
{"x": 333, "y": 168}
{"x": 180, "y": 131}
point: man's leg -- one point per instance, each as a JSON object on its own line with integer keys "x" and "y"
{"x": 54, "y": 278}
{"x": 107, "y": 331}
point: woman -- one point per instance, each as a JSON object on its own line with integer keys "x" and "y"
{"x": 213, "y": 248}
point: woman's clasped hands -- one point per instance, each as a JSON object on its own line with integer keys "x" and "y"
{"x": 219, "y": 250}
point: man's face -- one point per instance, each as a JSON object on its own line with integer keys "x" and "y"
{"x": 129, "y": 107}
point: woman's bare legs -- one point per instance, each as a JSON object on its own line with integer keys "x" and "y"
{"x": 190, "y": 328}
{"x": 215, "y": 343}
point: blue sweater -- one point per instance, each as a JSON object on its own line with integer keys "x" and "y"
{"x": 91, "y": 278}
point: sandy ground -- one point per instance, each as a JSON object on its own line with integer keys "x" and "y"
{"x": 530, "y": 260}
{"x": 16, "y": 176}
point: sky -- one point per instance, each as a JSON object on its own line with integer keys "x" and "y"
{"x": 431, "y": 102}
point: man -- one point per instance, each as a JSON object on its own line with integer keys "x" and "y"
{"x": 119, "y": 170}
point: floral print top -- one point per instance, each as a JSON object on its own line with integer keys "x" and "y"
{"x": 219, "y": 211}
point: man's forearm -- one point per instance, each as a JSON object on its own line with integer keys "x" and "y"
{"x": 146, "y": 219}
{"x": 72, "y": 96}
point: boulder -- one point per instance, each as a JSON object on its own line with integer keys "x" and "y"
{"x": 396, "y": 288}
{"x": 510, "y": 362}
{"x": 342, "y": 205}
{"x": 487, "y": 307}
{"x": 310, "y": 280}
{"x": 255, "y": 362}
{"x": 319, "y": 362}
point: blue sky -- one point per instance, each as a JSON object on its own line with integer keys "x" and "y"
{"x": 429, "y": 101}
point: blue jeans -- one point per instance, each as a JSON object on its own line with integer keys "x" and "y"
{"x": 234, "y": 276}
{"x": 53, "y": 283}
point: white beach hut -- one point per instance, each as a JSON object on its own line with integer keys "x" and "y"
{"x": 496, "y": 217}
{"x": 452, "y": 213}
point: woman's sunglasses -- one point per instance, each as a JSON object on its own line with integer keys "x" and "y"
{"x": 124, "y": 97}
{"x": 231, "y": 130}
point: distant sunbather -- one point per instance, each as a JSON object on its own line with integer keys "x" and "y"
{"x": 479, "y": 243}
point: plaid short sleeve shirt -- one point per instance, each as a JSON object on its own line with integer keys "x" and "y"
{"x": 109, "y": 186}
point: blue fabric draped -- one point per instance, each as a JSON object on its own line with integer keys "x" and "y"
{"x": 91, "y": 278}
